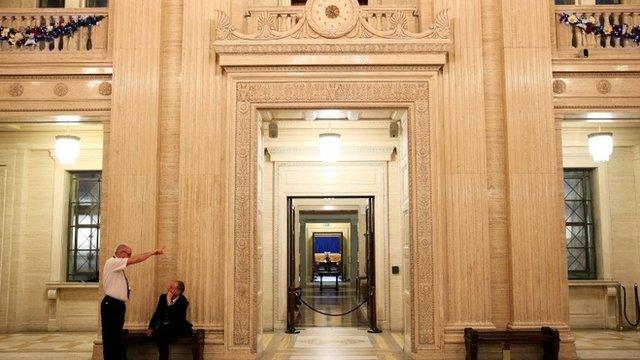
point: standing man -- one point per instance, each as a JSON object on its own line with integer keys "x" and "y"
{"x": 116, "y": 289}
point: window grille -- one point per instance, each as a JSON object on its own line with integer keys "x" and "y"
{"x": 84, "y": 226}
{"x": 579, "y": 232}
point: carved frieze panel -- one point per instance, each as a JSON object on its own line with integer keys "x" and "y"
{"x": 43, "y": 93}
{"x": 248, "y": 95}
{"x": 592, "y": 91}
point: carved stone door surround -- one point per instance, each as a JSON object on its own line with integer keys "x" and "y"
{"x": 283, "y": 72}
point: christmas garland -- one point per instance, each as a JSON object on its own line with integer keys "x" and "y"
{"x": 590, "y": 26}
{"x": 33, "y": 35}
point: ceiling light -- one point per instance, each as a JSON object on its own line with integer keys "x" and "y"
{"x": 67, "y": 118}
{"x": 329, "y": 147}
{"x": 330, "y": 114}
{"x": 600, "y": 115}
{"x": 67, "y": 149}
{"x": 600, "y": 146}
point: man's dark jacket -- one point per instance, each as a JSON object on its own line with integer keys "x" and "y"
{"x": 174, "y": 316}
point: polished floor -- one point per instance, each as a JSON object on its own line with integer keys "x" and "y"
{"x": 607, "y": 344}
{"x": 53, "y": 346}
{"x": 316, "y": 343}
{"x": 332, "y": 301}
{"x": 331, "y": 343}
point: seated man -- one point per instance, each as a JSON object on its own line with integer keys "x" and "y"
{"x": 170, "y": 319}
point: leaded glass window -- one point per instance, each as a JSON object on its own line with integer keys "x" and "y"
{"x": 84, "y": 226}
{"x": 578, "y": 212}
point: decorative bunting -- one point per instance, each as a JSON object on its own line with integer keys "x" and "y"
{"x": 30, "y": 36}
{"x": 590, "y": 26}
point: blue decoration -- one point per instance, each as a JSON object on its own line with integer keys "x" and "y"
{"x": 30, "y": 36}
{"x": 326, "y": 243}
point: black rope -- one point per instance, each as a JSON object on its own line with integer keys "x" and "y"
{"x": 624, "y": 299}
{"x": 340, "y": 314}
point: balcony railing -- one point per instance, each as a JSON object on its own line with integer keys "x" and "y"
{"x": 286, "y": 17}
{"x": 86, "y": 43}
{"x": 571, "y": 40}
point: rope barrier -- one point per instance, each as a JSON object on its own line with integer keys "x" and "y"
{"x": 340, "y": 314}
{"x": 624, "y": 298}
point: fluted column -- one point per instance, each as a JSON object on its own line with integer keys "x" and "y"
{"x": 131, "y": 161}
{"x": 169, "y": 142}
{"x": 203, "y": 171}
{"x": 467, "y": 243}
{"x": 493, "y": 64}
{"x": 538, "y": 256}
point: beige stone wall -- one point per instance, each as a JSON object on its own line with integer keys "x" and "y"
{"x": 168, "y": 173}
{"x": 33, "y": 238}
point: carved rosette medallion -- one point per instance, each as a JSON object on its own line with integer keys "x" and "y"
{"x": 16, "y": 89}
{"x": 603, "y": 86}
{"x": 332, "y": 18}
{"x": 559, "y": 86}
{"x": 245, "y": 266}
{"x": 61, "y": 89}
{"x": 105, "y": 88}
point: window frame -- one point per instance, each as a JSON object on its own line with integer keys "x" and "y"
{"x": 72, "y": 226}
{"x": 590, "y": 271}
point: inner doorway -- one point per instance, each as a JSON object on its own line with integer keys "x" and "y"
{"x": 331, "y": 278}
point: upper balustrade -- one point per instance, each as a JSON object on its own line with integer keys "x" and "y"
{"x": 54, "y": 35}
{"x": 286, "y": 17}
{"x": 606, "y": 31}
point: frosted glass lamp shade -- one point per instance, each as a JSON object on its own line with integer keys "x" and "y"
{"x": 67, "y": 149}
{"x": 600, "y": 146}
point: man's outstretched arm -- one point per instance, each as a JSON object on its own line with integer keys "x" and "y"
{"x": 134, "y": 259}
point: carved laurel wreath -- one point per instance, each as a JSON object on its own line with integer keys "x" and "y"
{"x": 267, "y": 29}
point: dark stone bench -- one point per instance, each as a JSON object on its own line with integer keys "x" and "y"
{"x": 547, "y": 337}
{"x": 139, "y": 337}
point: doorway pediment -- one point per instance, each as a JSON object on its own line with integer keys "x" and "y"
{"x": 306, "y": 44}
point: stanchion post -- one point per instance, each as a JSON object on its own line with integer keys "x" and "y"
{"x": 291, "y": 311}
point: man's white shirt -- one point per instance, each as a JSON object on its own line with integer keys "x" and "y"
{"x": 115, "y": 283}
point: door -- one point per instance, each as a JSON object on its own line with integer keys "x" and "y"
{"x": 291, "y": 267}
{"x": 371, "y": 265}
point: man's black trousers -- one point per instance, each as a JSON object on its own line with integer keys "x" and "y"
{"x": 112, "y": 313}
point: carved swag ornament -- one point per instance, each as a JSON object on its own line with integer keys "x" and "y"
{"x": 398, "y": 29}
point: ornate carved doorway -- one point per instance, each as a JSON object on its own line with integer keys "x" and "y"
{"x": 298, "y": 70}
{"x": 422, "y": 290}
